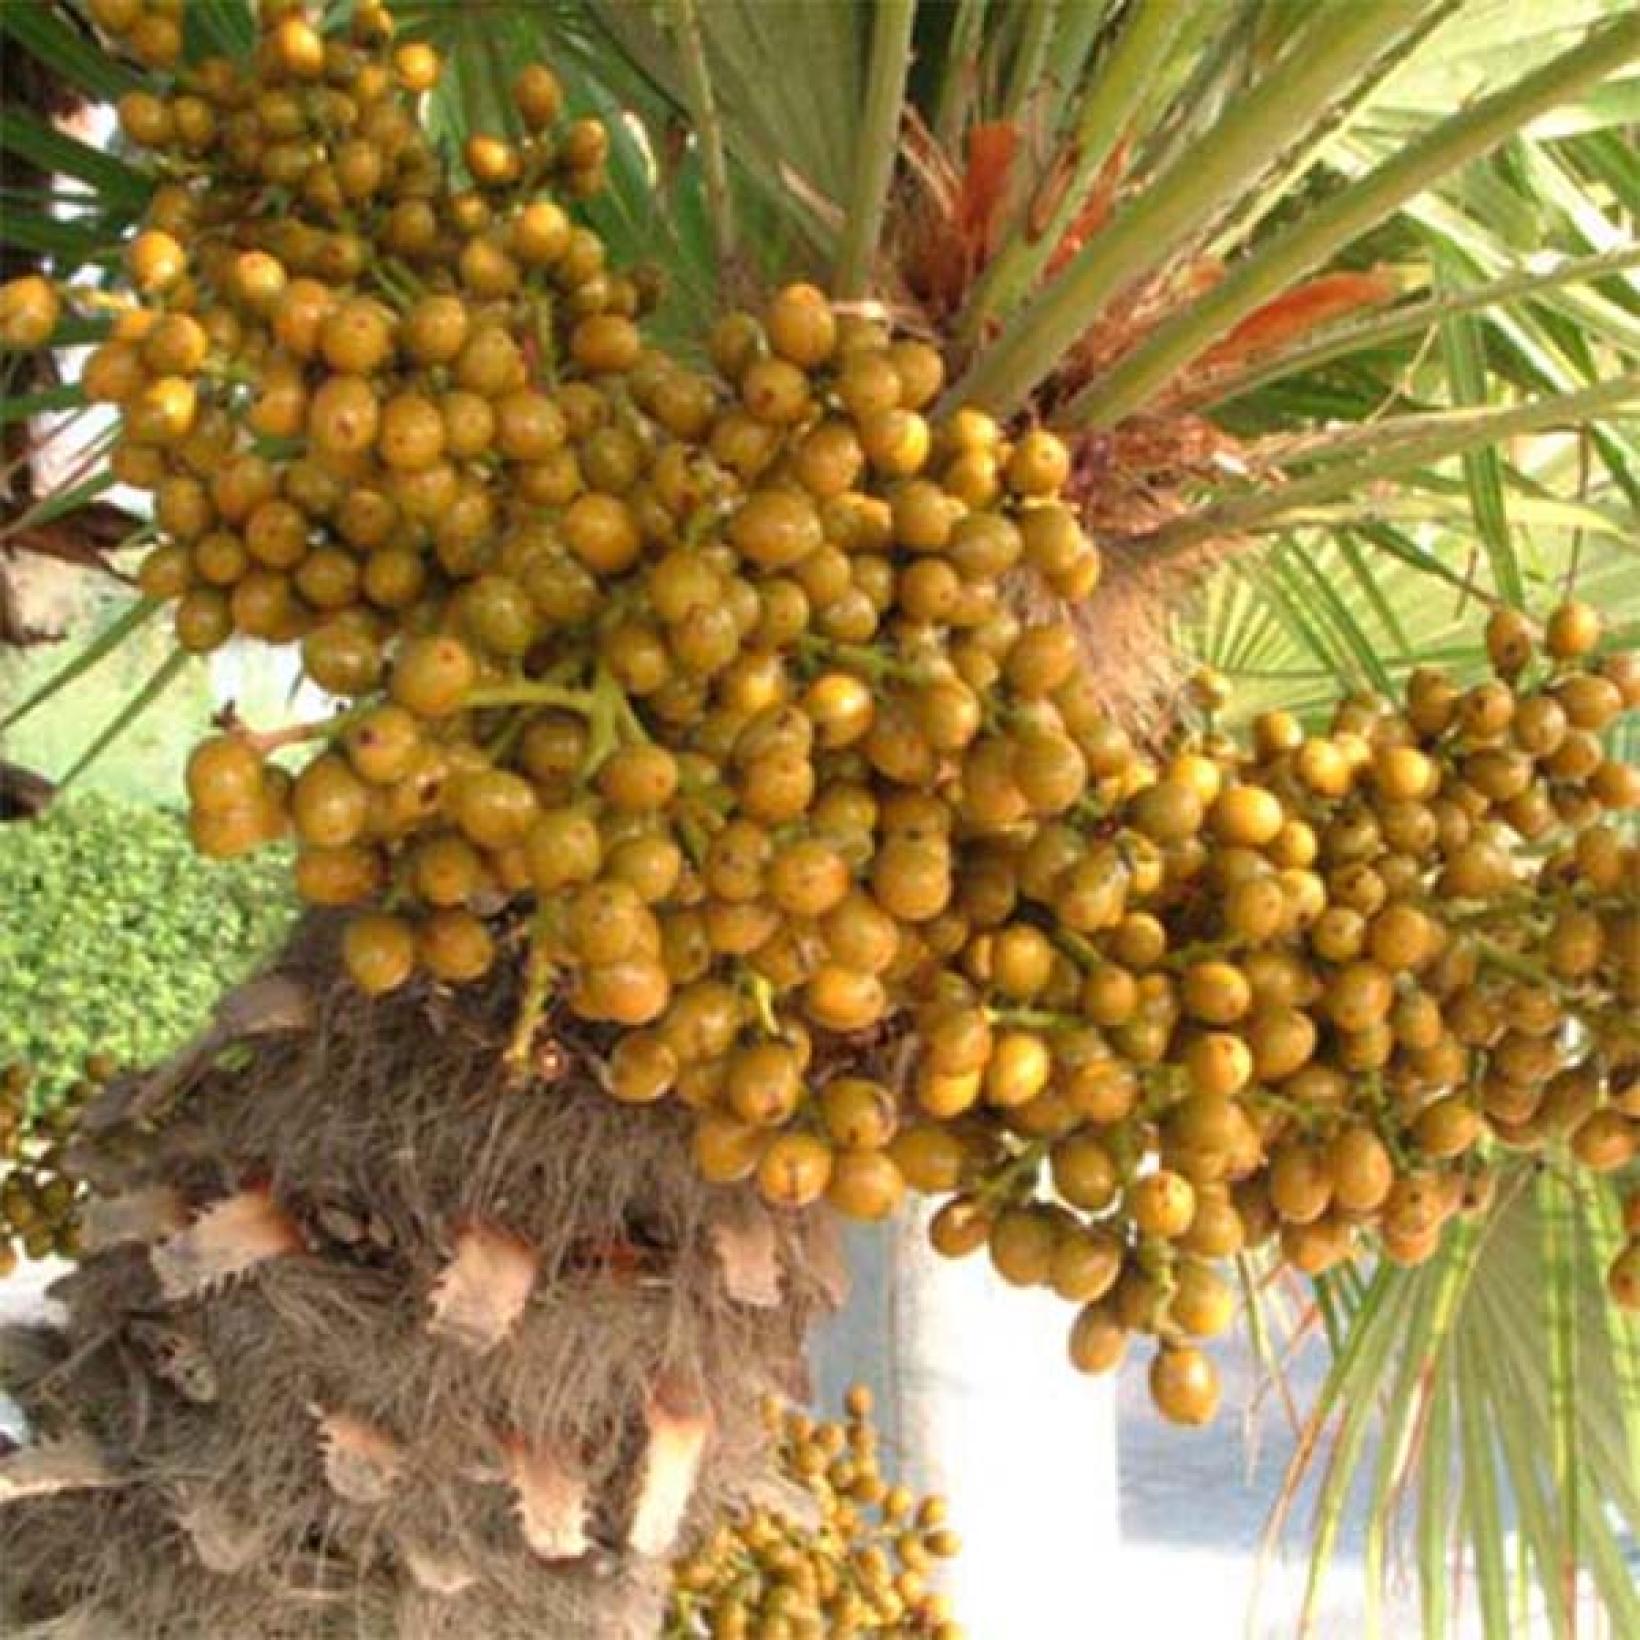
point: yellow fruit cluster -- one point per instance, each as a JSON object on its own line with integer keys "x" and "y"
{"x": 743, "y": 707}
{"x": 149, "y": 30}
{"x": 38, "y": 1196}
{"x": 860, "y": 1566}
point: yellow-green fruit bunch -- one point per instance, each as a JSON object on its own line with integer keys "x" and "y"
{"x": 1320, "y": 987}
{"x": 38, "y": 1197}
{"x": 615, "y": 626}
{"x": 149, "y": 30}
{"x": 853, "y": 1557}
{"x": 745, "y": 699}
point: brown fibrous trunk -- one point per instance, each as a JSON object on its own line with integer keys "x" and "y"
{"x": 379, "y": 1337}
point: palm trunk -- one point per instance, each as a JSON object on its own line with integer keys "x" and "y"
{"x": 374, "y": 1338}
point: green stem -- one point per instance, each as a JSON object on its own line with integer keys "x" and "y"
{"x": 71, "y": 490}
{"x": 1088, "y": 811}
{"x": 402, "y": 273}
{"x": 1338, "y": 44}
{"x": 959, "y": 73}
{"x": 532, "y": 694}
{"x": 1340, "y": 341}
{"x": 230, "y": 372}
{"x": 611, "y": 717}
{"x": 1329, "y": 226}
{"x": 1035, "y": 1019}
{"x": 401, "y": 286}
{"x": 1280, "y": 183}
{"x": 1081, "y": 951}
{"x": 1413, "y": 441}
{"x": 1518, "y": 967}
{"x": 1034, "y": 39}
{"x": 703, "y": 112}
{"x": 702, "y": 521}
{"x": 693, "y": 837}
{"x": 1199, "y": 951}
{"x": 1118, "y": 87}
{"x": 546, "y": 337}
{"x": 538, "y": 977}
{"x": 106, "y": 642}
{"x": 1027, "y": 1163}
{"x": 1559, "y": 1255}
{"x": 858, "y": 657}
{"x": 1306, "y": 1116}
{"x": 876, "y": 145}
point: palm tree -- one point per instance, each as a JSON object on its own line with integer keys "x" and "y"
{"x": 1337, "y": 304}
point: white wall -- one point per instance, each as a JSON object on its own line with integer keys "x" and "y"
{"x": 980, "y": 1403}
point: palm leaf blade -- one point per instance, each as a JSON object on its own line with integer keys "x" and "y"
{"x": 1333, "y": 224}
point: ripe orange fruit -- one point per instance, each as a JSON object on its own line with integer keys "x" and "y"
{"x": 1184, "y": 1384}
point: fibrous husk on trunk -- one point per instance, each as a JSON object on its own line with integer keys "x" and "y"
{"x": 414, "y": 1362}
{"x": 1127, "y": 484}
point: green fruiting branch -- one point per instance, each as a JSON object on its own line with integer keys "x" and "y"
{"x": 1343, "y": 218}
{"x": 539, "y": 974}
{"x": 703, "y": 113}
{"x": 532, "y": 693}
{"x": 1341, "y": 341}
{"x": 1112, "y": 97}
{"x": 876, "y": 146}
{"x": 1035, "y": 37}
{"x": 1335, "y": 48}
{"x": 1416, "y": 442}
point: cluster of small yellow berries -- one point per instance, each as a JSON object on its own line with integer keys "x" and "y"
{"x": 862, "y": 1567}
{"x": 148, "y": 30}
{"x": 39, "y": 1198}
{"x": 740, "y": 706}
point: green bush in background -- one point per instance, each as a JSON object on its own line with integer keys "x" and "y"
{"x": 115, "y": 937}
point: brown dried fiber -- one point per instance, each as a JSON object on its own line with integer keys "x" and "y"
{"x": 300, "y": 1453}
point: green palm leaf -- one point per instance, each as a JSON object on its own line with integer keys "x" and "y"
{"x": 45, "y": 33}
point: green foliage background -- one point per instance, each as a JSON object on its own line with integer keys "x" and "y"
{"x": 115, "y": 937}
{"x": 144, "y": 761}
